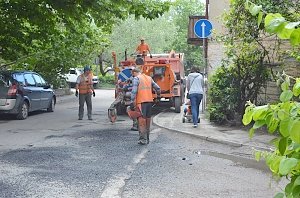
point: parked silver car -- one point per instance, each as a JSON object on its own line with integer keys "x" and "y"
{"x": 24, "y": 91}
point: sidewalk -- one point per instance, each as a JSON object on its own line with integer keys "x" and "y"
{"x": 232, "y": 136}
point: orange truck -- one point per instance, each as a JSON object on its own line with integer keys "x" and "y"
{"x": 167, "y": 70}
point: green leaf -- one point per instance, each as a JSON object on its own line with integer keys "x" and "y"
{"x": 292, "y": 25}
{"x": 283, "y": 32}
{"x": 259, "y": 18}
{"x": 247, "y": 117}
{"x": 297, "y": 181}
{"x": 272, "y": 125}
{"x": 283, "y": 115}
{"x": 295, "y": 37}
{"x": 274, "y": 163}
{"x": 286, "y": 96}
{"x": 282, "y": 145}
{"x": 296, "y": 88}
{"x": 254, "y": 10}
{"x": 259, "y": 112}
{"x": 279, "y": 195}
{"x": 273, "y": 21}
{"x": 258, "y": 124}
{"x": 247, "y": 5}
{"x": 296, "y": 191}
{"x": 283, "y": 128}
{"x": 288, "y": 189}
{"x": 295, "y": 131}
{"x": 286, "y": 165}
{"x": 284, "y": 86}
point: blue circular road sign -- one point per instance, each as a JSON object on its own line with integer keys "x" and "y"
{"x": 203, "y": 28}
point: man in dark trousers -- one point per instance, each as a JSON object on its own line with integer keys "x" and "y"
{"x": 84, "y": 84}
{"x": 142, "y": 99}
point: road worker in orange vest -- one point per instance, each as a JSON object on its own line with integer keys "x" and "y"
{"x": 143, "y": 48}
{"x": 84, "y": 84}
{"x": 142, "y": 100}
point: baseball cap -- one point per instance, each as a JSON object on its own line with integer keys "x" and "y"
{"x": 87, "y": 68}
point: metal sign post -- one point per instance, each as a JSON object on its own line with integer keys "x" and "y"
{"x": 203, "y": 29}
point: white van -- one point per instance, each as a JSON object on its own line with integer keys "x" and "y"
{"x": 73, "y": 73}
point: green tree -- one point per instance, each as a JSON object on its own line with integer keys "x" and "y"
{"x": 247, "y": 56}
{"x": 181, "y": 11}
{"x": 159, "y": 34}
{"x": 162, "y": 34}
{"x": 54, "y": 35}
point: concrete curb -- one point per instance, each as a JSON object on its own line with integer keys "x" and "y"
{"x": 209, "y": 138}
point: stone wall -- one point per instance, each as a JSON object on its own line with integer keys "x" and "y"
{"x": 271, "y": 92}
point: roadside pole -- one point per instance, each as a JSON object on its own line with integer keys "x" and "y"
{"x": 203, "y": 29}
{"x": 204, "y": 72}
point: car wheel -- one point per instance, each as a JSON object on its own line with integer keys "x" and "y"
{"x": 51, "y": 106}
{"x": 23, "y": 111}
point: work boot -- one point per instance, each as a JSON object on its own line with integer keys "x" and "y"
{"x": 142, "y": 130}
{"x": 134, "y": 128}
{"x": 142, "y": 142}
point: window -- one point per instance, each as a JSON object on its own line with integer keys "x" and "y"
{"x": 29, "y": 81}
{"x": 38, "y": 80}
{"x": 159, "y": 70}
{"x": 72, "y": 71}
{"x": 20, "y": 78}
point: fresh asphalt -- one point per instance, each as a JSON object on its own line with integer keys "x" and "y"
{"x": 237, "y": 136}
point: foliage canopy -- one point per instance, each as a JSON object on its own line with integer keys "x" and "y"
{"x": 52, "y": 36}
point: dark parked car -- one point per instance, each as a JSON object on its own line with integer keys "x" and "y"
{"x": 24, "y": 91}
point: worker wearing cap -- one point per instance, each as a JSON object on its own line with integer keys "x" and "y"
{"x": 143, "y": 48}
{"x": 84, "y": 84}
{"x": 142, "y": 99}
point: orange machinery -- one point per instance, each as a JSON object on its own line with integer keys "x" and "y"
{"x": 167, "y": 70}
{"x": 168, "y": 73}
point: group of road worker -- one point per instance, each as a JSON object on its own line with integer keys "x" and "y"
{"x": 140, "y": 107}
{"x": 141, "y": 99}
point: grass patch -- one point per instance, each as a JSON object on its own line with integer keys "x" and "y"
{"x": 107, "y": 86}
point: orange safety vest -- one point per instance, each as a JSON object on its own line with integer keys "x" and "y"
{"x": 143, "y": 47}
{"x": 85, "y": 84}
{"x": 144, "y": 93}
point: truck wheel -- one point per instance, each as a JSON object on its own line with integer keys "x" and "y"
{"x": 23, "y": 111}
{"x": 177, "y": 103}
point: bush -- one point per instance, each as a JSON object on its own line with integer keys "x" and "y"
{"x": 222, "y": 96}
{"x": 107, "y": 80}
{"x": 232, "y": 86}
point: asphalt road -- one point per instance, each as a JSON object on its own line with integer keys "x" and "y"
{"x": 54, "y": 155}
